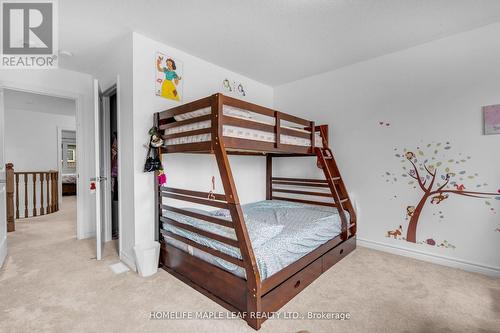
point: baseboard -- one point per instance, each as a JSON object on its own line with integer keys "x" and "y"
{"x": 128, "y": 260}
{"x": 3, "y": 251}
{"x": 433, "y": 258}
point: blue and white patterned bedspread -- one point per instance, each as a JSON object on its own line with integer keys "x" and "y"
{"x": 281, "y": 232}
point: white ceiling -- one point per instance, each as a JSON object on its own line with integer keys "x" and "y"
{"x": 273, "y": 41}
{"x": 19, "y": 100}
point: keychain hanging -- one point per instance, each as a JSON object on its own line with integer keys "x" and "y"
{"x": 211, "y": 193}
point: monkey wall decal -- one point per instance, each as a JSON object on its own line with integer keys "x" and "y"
{"x": 460, "y": 187}
{"x": 410, "y": 210}
{"x": 430, "y": 241}
{"x": 409, "y": 155}
{"x": 395, "y": 233}
{"x": 438, "y": 198}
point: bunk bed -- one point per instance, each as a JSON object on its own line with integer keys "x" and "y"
{"x": 252, "y": 259}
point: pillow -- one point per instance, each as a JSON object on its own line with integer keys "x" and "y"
{"x": 193, "y": 114}
{"x": 228, "y": 111}
{"x": 235, "y": 112}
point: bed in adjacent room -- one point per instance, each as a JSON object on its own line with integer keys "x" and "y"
{"x": 69, "y": 184}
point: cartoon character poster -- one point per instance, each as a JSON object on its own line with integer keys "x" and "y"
{"x": 169, "y": 80}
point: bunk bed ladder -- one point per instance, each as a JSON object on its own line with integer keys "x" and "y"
{"x": 326, "y": 162}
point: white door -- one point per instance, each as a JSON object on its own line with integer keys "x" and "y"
{"x": 99, "y": 187}
{"x": 3, "y": 210}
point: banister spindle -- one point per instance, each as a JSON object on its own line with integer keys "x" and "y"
{"x": 52, "y": 188}
{"x": 17, "y": 195}
{"x": 25, "y": 194}
{"x": 47, "y": 177}
{"x": 34, "y": 194}
{"x": 56, "y": 186}
{"x": 42, "y": 210}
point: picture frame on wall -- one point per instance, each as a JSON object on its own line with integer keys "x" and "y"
{"x": 491, "y": 115}
{"x": 169, "y": 77}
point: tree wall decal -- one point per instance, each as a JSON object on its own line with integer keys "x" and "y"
{"x": 438, "y": 178}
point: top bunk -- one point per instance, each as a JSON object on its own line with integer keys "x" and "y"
{"x": 239, "y": 127}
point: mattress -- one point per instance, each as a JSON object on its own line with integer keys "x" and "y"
{"x": 281, "y": 232}
{"x": 236, "y": 131}
{"x": 69, "y": 178}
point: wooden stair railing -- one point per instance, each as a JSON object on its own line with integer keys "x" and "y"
{"x": 43, "y": 186}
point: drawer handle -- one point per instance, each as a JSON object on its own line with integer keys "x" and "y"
{"x": 341, "y": 251}
{"x": 297, "y": 284}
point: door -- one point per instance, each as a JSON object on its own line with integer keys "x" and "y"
{"x": 3, "y": 209}
{"x": 98, "y": 186}
{"x": 106, "y": 163}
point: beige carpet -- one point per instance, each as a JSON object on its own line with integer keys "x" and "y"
{"x": 51, "y": 283}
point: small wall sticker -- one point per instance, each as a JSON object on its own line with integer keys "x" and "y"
{"x": 233, "y": 87}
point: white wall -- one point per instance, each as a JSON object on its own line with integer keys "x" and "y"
{"x": 31, "y": 139}
{"x": 31, "y": 145}
{"x": 430, "y": 93}
{"x": 68, "y": 84}
{"x": 201, "y": 79}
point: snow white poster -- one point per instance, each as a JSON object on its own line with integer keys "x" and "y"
{"x": 169, "y": 81}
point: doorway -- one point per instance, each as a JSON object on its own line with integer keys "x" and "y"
{"x": 42, "y": 170}
{"x": 109, "y": 165}
{"x": 67, "y": 156}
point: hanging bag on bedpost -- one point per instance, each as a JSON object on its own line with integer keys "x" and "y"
{"x": 153, "y": 162}
{"x": 148, "y": 165}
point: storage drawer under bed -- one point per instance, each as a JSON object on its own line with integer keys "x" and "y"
{"x": 279, "y": 296}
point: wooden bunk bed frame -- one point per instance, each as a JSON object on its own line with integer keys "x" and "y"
{"x": 254, "y": 299}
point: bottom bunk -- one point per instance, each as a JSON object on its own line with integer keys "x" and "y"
{"x": 293, "y": 243}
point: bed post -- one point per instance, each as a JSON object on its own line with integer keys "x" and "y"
{"x": 253, "y": 277}
{"x": 269, "y": 176}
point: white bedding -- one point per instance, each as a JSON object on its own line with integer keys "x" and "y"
{"x": 236, "y": 131}
{"x": 69, "y": 178}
